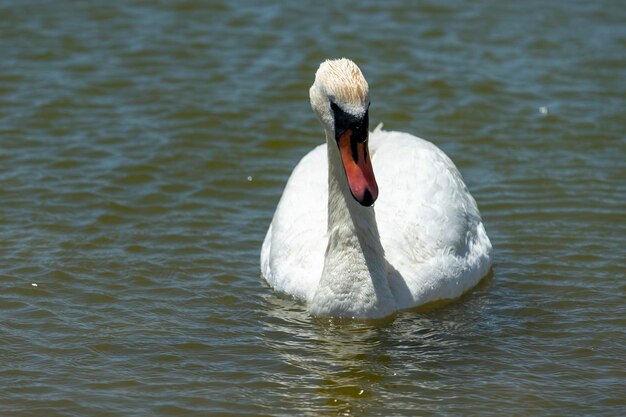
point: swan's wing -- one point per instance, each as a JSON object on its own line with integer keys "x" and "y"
{"x": 428, "y": 221}
{"x": 292, "y": 255}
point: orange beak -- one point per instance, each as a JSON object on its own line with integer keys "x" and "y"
{"x": 358, "y": 166}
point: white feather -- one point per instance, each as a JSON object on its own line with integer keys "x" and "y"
{"x": 422, "y": 241}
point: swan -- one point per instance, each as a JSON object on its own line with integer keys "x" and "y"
{"x": 329, "y": 245}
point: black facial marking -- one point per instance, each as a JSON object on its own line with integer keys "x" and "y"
{"x": 355, "y": 153}
{"x": 362, "y": 129}
{"x": 345, "y": 121}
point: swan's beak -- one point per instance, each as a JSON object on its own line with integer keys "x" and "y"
{"x": 358, "y": 166}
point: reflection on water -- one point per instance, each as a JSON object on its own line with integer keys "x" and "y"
{"x": 346, "y": 362}
{"x": 342, "y": 360}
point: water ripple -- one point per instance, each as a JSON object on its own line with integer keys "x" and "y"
{"x": 144, "y": 147}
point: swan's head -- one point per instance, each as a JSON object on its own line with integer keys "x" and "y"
{"x": 340, "y": 98}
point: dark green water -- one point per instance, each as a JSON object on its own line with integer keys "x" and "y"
{"x": 144, "y": 146}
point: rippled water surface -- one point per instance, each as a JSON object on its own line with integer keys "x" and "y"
{"x": 144, "y": 146}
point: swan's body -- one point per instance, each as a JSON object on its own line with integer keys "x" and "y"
{"x": 423, "y": 241}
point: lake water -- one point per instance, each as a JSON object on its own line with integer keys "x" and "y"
{"x": 144, "y": 146}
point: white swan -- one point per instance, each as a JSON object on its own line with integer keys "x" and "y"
{"x": 423, "y": 241}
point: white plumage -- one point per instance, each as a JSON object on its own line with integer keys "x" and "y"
{"x": 422, "y": 241}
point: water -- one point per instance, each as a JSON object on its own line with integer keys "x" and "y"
{"x": 144, "y": 146}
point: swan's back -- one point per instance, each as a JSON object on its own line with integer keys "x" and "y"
{"x": 292, "y": 256}
{"x": 429, "y": 224}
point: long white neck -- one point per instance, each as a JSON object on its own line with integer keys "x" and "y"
{"x": 353, "y": 281}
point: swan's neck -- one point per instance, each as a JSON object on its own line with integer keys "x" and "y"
{"x": 353, "y": 281}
